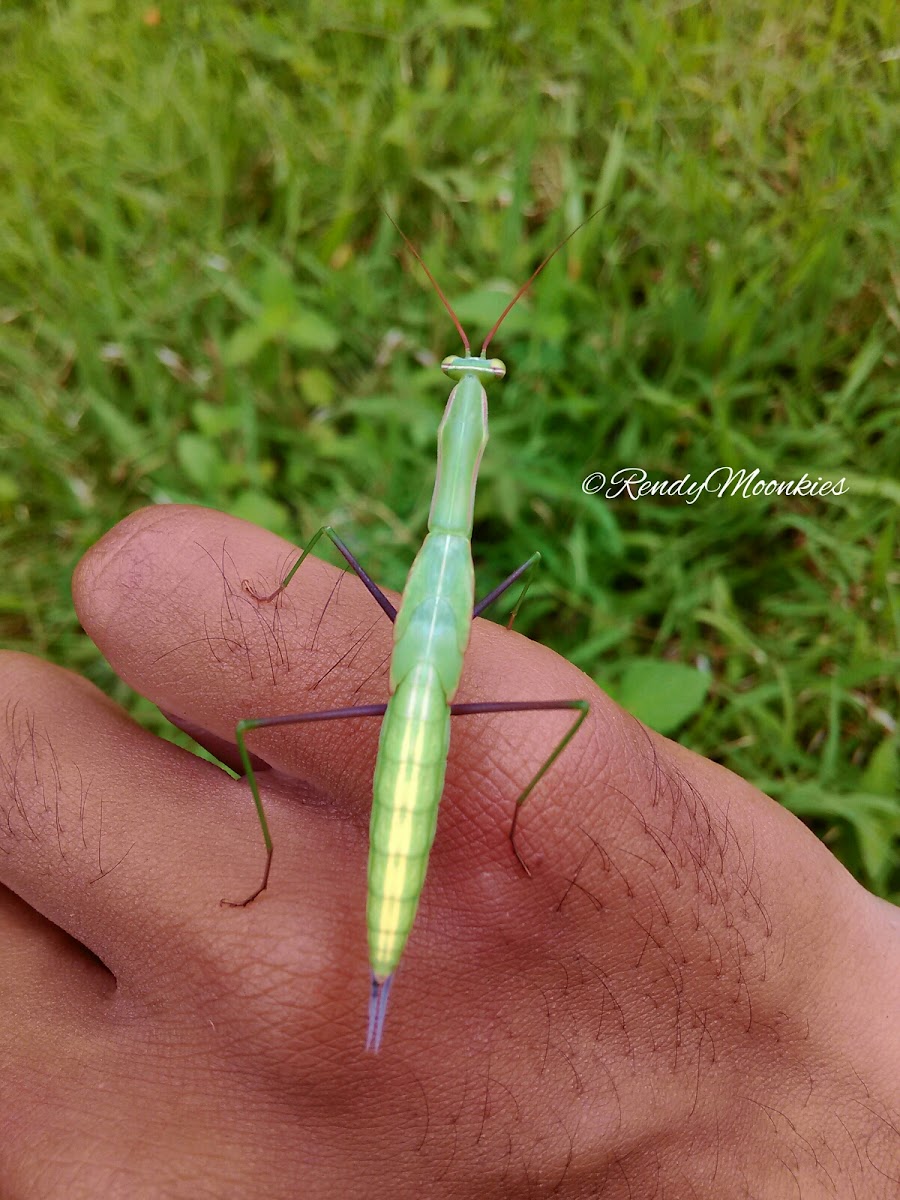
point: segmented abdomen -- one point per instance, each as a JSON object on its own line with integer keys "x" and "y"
{"x": 409, "y": 780}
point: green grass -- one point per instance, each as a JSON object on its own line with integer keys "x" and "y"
{"x": 202, "y": 301}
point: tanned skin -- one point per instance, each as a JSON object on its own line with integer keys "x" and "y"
{"x": 691, "y": 999}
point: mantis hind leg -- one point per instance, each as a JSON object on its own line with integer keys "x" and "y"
{"x": 245, "y": 727}
{"x": 372, "y": 587}
{"x": 582, "y": 707}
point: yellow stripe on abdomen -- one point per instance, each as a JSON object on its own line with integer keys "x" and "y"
{"x": 409, "y": 780}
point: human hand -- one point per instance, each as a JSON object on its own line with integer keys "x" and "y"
{"x": 690, "y": 997}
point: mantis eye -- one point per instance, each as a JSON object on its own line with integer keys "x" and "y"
{"x": 498, "y": 368}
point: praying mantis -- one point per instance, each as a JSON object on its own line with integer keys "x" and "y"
{"x": 431, "y": 633}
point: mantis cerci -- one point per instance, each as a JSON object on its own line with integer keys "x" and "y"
{"x": 431, "y": 632}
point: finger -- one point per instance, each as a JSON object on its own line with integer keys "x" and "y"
{"x": 129, "y": 843}
{"x": 162, "y": 596}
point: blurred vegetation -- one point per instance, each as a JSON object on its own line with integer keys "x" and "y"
{"x": 202, "y": 301}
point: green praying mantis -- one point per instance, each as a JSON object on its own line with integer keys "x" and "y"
{"x": 431, "y": 633}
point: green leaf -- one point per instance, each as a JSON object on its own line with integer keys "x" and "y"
{"x": 305, "y": 330}
{"x": 481, "y": 307}
{"x": 257, "y": 507}
{"x": 881, "y": 774}
{"x": 214, "y": 420}
{"x": 861, "y": 368}
{"x": 466, "y": 16}
{"x": 245, "y": 343}
{"x": 199, "y": 458}
{"x": 317, "y": 387}
{"x": 309, "y": 331}
{"x": 662, "y": 694}
{"x": 126, "y": 436}
{"x": 9, "y": 489}
{"x": 875, "y": 820}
